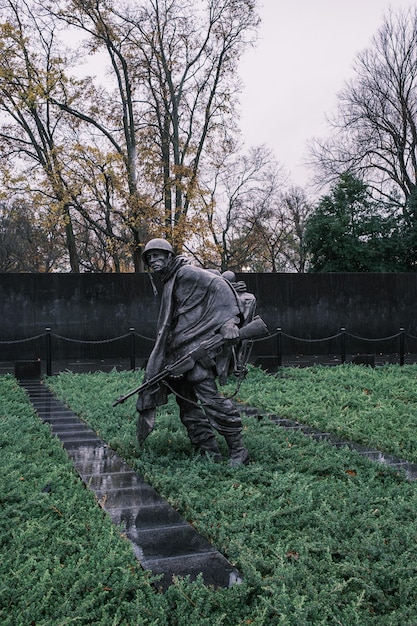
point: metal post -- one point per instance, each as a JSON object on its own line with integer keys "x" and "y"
{"x": 279, "y": 347}
{"x": 402, "y": 344}
{"x": 343, "y": 345}
{"x": 48, "y": 345}
{"x": 132, "y": 349}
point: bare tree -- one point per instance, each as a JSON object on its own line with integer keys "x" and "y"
{"x": 279, "y": 233}
{"x": 375, "y": 129}
{"x": 112, "y": 115}
{"x": 241, "y": 202}
{"x": 296, "y": 210}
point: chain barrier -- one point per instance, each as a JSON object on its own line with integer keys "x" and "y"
{"x": 375, "y": 339}
{"x": 342, "y": 335}
{"x": 9, "y": 343}
{"x": 312, "y": 340}
{"x": 90, "y": 341}
{"x": 278, "y": 335}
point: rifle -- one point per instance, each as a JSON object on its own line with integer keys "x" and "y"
{"x": 209, "y": 348}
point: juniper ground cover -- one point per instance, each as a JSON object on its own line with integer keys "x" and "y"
{"x": 321, "y": 535}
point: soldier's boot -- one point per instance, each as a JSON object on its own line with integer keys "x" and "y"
{"x": 238, "y": 453}
{"x": 210, "y": 449}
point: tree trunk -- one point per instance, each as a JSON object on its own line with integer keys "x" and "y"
{"x": 70, "y": 242}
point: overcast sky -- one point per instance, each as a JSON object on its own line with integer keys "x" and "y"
{"x": 304, "y": 55}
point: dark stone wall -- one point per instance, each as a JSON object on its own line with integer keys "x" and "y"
{"x": 84, "y": 305}
{"x": 313, "y": 306}
{"x": 88, "y": 307}
{"x": 97, "y": 307}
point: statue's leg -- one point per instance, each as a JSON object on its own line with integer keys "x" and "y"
{"x": 195, "y": 420}
{"x": 224, "y": 417}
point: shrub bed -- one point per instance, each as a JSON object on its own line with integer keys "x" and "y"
{"x": 321, "y": 535}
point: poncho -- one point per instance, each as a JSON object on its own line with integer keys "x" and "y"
{"x": 195, "y": 304}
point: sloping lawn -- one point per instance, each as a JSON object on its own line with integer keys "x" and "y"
{"x": 320, "y": 535}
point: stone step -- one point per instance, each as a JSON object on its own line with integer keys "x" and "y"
{"x": 406, "y": 468}
{"x": 162, "y": 540}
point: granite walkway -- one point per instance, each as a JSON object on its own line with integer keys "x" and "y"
{"x": 162, "y": 540}
{"x": 406, "y": 468}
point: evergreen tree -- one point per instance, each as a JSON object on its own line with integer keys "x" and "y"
{"x": 348, "y": 233}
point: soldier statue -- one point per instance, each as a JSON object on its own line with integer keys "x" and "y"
{"x": 196, "y": 306}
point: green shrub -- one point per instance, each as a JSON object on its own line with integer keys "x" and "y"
{"x": 321, "y": 535}
{"x": 62, "y": 559}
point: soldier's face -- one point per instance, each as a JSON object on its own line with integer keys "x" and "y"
{"x": 157, "y": 260}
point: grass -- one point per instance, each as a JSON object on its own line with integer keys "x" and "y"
{"x": 320, "y": 535}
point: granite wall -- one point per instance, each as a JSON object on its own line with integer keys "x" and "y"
{"x": 100, "y": 307}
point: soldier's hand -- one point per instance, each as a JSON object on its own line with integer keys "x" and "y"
{"x": 230, "y": 331}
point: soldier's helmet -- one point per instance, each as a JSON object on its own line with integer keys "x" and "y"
{"x": 156, "y": 244}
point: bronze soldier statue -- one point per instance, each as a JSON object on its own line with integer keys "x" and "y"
{"x": 197, "y": 306}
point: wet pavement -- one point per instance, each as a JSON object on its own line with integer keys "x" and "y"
{"x": 162, "y": 540}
